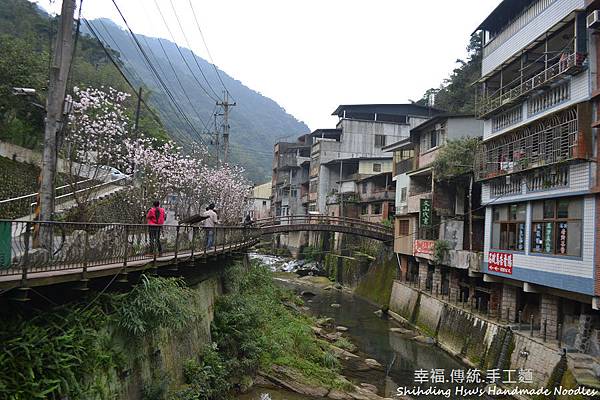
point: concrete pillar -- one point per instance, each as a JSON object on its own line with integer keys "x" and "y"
{"x": 437, "y": 280}
{"x": 454, "y": 286}
{"x": 423, "y": 271}
{"x": 495, "y": 299}
{"x": 584, "y": 333}
{"x": 549, "y": 313}
{"x": 403, "y": 268}
{"x": 509, "y": 302}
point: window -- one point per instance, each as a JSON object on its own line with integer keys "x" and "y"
{"x": 376, "y": 167}
{"x": 403, "y": 195}
{"x": 379, "y": 140}
{"x": 294, "y": 193}
{"x": 433, "y": 139}
{"x": 364, "y": 209}
{"x": 556, "y": 227}
{"x": 264, "y": 202}
{"x": 403, "y": 227}
{"x": 376, "y": 208}
{"x": 363, "y": 188}
{"x": 508, "y": 227}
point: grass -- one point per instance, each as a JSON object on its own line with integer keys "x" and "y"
{"x": 255, "y": 330}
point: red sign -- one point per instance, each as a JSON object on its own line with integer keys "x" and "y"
{"x": 500, "y": 262}
{"x": 423, "y": 247}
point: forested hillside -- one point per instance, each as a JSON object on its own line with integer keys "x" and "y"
{"x": 25, "y": 43}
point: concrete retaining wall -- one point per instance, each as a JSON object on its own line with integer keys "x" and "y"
{"x": 479, "y": 342}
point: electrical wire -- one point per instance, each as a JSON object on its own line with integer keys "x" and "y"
{"x": 112, "y": 60}
{"x": 208, "y": 51}
{"x": 153, "y": 69}
{"x": 189, "y": 46}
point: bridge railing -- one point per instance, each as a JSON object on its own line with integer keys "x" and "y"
{"x": 88, "y": 245}
{"x": 324, "y": 219}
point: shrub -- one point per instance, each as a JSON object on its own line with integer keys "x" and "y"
{"x": 157, "y": 303}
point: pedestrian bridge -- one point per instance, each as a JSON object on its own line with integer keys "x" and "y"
{"x": 324, "y": 223}
{"x": 79, "y": 252}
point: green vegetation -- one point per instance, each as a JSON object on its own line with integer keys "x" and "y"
{"x": 456, "y": 93}
{"x": 254, "y": 329}
{"x": 456, "y": 158}
{"x": 72, "y": 350}
{"x": 310, "y": 253}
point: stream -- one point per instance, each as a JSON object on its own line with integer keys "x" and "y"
{"x": 371, "y": 334}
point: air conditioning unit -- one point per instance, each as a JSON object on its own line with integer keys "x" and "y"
{"x": 593, "y": 20}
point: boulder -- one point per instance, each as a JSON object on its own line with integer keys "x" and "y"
{"x": 368, "y": 386}
{"x": 341, "y": 328}
{"x": 373, "y": 363}
{"x": 338, "y": 395}
{"x": 335, "y": 305}
{"x": 402, "y": 331}
{"x": 379, "y": 313}
{"x": 424, "y": 339}
{"x": 328, "y": 287}
{"x": 307, "y": 293}
{"x": 337, "y": 285}
{"x": 343, "y": 354}
{"x": 333, "y": 336}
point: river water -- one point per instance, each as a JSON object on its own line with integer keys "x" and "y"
{"x": 371, "y": 334}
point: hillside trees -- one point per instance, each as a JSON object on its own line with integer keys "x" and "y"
{"x": 457, "y": 93}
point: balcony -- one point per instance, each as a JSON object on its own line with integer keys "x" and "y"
{"x": 348, "y": 198}
{"x": 378, "y": 195}
{"x": 287, "y": 161}
{"x": 404, "y": 166}
{"x": 283, "y": 180}
{"x": 414, "y": 201}
{"x": 547, "y": 141}
{"x": 304, "y": 199}
{"x": 507, "y": 97}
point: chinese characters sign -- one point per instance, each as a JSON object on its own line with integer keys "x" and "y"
{"x": 425, "y": 213}
{"x": 423, "y": 247}
{"x": 500, "y": 262}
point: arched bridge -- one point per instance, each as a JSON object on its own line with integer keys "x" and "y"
{"x": 324, "y": 223}
{"x": 78, "y": 252}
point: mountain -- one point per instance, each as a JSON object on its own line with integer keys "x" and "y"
{"x": 26, "y": 36}
{"x": 256, "y": 121}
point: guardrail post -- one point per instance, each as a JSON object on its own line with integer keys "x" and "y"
{"x": 26, "y": 254}
{"x": 126, "y": 246}
{"x": 193, "y": 241}
{"x": 544, "y": 328}
{"x": 176, "y": 243}
{"x": 86, "y": 247}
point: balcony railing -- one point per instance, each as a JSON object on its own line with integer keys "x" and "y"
{"x": 547, "y": 141}
{"x": 405, "y": 166}
{"x": 378, "y": 195}
{"x": 414, "y": 201}
{"x": 504, "y": 98}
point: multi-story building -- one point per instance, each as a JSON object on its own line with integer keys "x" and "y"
{"x": 290, "y": 185}
{"x": 535, "y": 164}
{"x": 430, "y": 210}
{"x": 259, "y": 203}
{"x": 353, "y": 150}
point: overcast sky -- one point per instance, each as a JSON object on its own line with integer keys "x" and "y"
{"x": 311, "y": 55}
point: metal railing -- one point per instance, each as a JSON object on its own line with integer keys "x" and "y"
{"x": 507, "y": 96}
{"x": 324, "y": 220}
{"x": 23, "y": 206}
{"x": 88, "y": 245}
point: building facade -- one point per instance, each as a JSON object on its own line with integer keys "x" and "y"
{"x": 260, "y": 202}
{"x": 433, "y": 212}
{"x": 535, "y": 164}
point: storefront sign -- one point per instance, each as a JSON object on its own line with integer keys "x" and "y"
{"x": 425, "y": 212}
{"x": 423, "y": 247}
{"x": 548, "y": 238}
{"x": 500, "y": 262}
{"x": 563, "y": 229}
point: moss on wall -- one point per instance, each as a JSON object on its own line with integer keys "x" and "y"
{"x": 376, "y": 284}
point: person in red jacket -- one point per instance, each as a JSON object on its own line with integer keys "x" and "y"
{"x": 156, "y": 218}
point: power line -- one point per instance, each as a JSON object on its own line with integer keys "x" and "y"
{"x": 110, "y": 57}
{"x": 183, "y": 57}
{"x": 190, "y": 47}
{"x": 153, "y": 69}
{"x": 208, "y": 51}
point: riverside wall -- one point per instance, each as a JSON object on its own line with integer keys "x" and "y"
{"x": 479, "y": 342}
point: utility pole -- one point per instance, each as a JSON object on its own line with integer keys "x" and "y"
{"x": 136, "y": 127}
{"x": 217, "y": 145}
{"x": 59, "y": 72}
{"x": 225, "y": 104}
